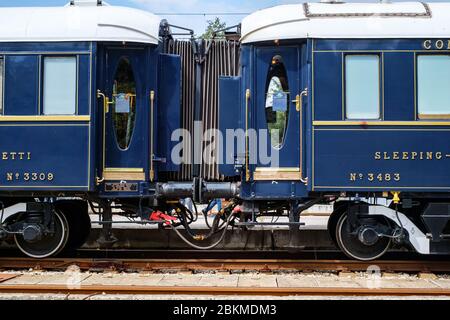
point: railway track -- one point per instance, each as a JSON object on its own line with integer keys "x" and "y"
{"x": 156, "y": 266}
{"x": 223, "y": 265}
{"x": 92, "y": 290}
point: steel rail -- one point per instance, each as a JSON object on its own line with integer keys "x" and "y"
{"x": 225, "y": 265}
{"x": 221, "y": 291}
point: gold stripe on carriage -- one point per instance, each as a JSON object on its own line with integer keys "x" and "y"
{"x": 45, "y": 118}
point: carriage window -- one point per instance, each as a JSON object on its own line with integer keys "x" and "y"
{"x": 60, "y": 85}
{"x": 277, "y": 101}
{"x": 1, "y": 86}
{"x": 124, "y": 92}
{"x": 362, "y": 86}
{"x": 433, "y": 86}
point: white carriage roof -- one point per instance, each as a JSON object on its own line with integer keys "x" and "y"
{"x": 84, "y": 21}
{"x": 348, "y": 20}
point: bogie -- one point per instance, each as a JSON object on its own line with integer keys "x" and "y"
{"x": 38, "y": 239}
{"x": 362, "y": 242}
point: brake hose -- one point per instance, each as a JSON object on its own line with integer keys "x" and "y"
{"x": 230, "y": 218}
{"x": 213, "y": 230}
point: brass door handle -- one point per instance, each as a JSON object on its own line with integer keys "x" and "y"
{"x": 106, "y": 104}
{"x": 106, "y": 101}
{"x": 297, "y": 102}
{"x": 299, "y": 99}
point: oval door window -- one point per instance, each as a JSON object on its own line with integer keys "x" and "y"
{"x": 124, "y": 108}
{"x": 277, "y": 102}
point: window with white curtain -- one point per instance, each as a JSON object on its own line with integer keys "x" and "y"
{"x": 60, "y": 85}
{"x": 433, "y": 86}
{"x": 362, "y": 87}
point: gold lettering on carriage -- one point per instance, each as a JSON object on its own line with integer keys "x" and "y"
{"x": 410, "y": 155}
{"x": 29, "y": 176}
{"x": 375, "y": 177}
{"x": 16, "y": 155}
{"x": 438, "y": 44}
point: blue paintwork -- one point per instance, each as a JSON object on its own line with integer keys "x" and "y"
{"x": 135, "y": 155}
{"x": 64, "y": 149}
{"x": 143, "y": 59}
{"x": 93, "y": 109}
{"x": 169, "y": 114}
{"x": 327, "y": 71}
{"x": 354, "y": 151}
{"x": 332, "y": 154}
{"x": 340, "y": 151}
{"x": 59, "y": 149}
{"x": 368, "y": 44}
{"x": 289, "y": 153}
{"x": 255, "y": 62}
{"x": 84, "y": 85}
{"x": 73, "y": 152}
{"x": 22, "y": 81}
{"x": 230, "y": 119}
{"x": 21, "y": 85}
{"x": 44, "y": 47}
{"x": 399, "y": 94}
{"x": 273, "y": 190}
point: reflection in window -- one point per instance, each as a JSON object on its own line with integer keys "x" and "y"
{"x": 362, "y": 86}
{"x": 1, "y": 86}
{"x": 60, "y": 85}
{"x": 277, "y": 101}
{"x": 433, "y": 85}
{"x": 124, "y": 111}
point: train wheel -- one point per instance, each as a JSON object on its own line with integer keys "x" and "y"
{"x": 339, "y": 209}
{"x": 49, "y": 244}
{"x": 362, "y": 244}
{"x": 333, "y": 221}
{"x": 79, "y": 222}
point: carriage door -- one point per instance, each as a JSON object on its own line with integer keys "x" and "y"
{"x": 124, "y": 130}
{"x": 280, "y": 115}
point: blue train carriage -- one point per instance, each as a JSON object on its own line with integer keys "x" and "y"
{"x": 78, "y": 102}
{"x": 355, "y": 100}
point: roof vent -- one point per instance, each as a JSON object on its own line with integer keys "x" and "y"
{"x": 362, "y": 10}
{"x": 86, "y": 3}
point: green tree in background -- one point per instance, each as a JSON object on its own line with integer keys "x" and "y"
{"x": 214, "y": 26}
